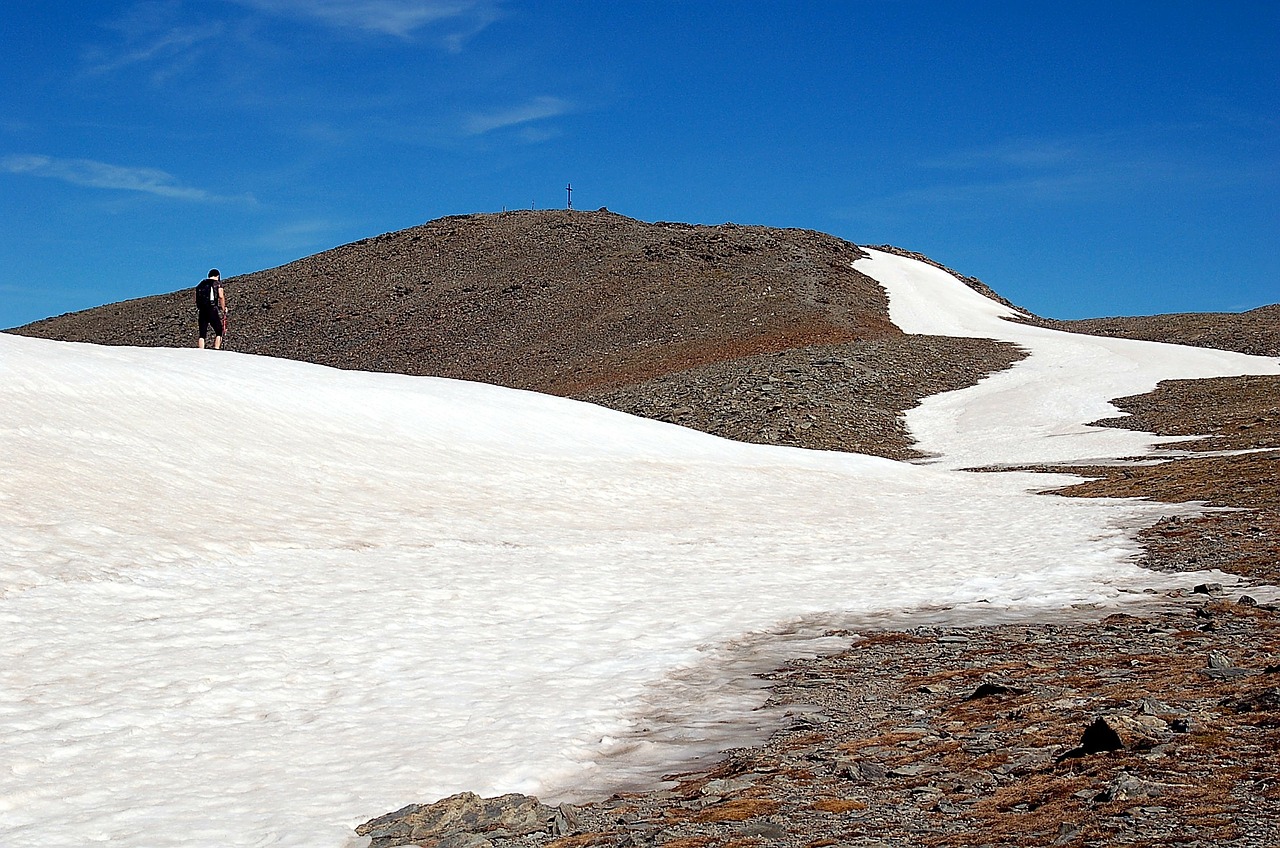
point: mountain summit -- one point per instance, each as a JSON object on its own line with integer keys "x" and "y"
{"x": 755, "y": 333}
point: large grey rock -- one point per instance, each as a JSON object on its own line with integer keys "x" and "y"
{"x": 723, "y": 786}
{"x": 460, "y": 821}
{"x": 463, "y": 840}
{"x": 566, "y": 820}
{"x": 862, "y": 770}
{"x": 1217, "y": 659}
{"x": 762, "y": 830}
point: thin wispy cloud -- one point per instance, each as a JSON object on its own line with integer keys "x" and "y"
{"x": 399, "y": 18}
{"x": 989, "y": 197}
{"x": 171, "y": 46}
{"x": 102, "y": 175}
{"x": 1017, "y": 154}
{"x": 1123, "y": 160}
{"x": 537, "y": 109}
{"x": 1099, "y": 170}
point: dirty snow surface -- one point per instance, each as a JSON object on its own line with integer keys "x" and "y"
{"x": 254, "y": 602}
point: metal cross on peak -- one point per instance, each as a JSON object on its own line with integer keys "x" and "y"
{"x": 569, "y": 188}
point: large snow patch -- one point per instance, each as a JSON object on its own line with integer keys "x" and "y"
{"x": 254, "y": 602}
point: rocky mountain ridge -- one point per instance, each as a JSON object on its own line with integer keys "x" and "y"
{"x": 753, "y": 333}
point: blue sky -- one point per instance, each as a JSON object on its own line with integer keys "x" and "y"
{"x": 1084, "y": 158}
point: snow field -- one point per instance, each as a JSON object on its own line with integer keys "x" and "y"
{"x": 1037, "y": 411}
{"x": 252, "y": 602}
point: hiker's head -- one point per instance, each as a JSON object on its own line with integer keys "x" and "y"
{"x": 213, "y": 274}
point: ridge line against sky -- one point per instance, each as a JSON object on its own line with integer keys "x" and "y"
{"x": 1073, "y": 156}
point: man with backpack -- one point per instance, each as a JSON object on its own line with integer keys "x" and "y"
{"x": 211, "y": 308}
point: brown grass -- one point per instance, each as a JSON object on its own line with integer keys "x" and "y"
{"x": 804, "y": 741}
{"x": 739, "y": 810}
{"x": 877, "y": 639}
{"x": 1034, "y": 790}
{"x": 948, "y": 676}
{"x": 799, "y": 775}
{"x": 645, "y": 365}
{"x": 886, "y": 740}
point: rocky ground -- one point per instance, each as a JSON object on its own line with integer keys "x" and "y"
{"x": 1255, "y": 332}
{"x": 1161, "y": 729}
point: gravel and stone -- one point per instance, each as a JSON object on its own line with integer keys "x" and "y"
{"x": 1156, "y": 728}
{"x": 837, "y": 397}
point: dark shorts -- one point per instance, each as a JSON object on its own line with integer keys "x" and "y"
{"x": 209, "y": 318}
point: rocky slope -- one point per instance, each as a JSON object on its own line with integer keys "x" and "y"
{"x": 555, "y": 301}
{"x": 1160, "y": 731}
{"x": 1255, "y": 332}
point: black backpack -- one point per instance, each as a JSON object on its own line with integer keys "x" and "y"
{"x": 207, "y": 294}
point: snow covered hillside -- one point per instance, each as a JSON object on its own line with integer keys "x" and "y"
{"x": 252, "y": 602}
{"x": 1036, "y": 412}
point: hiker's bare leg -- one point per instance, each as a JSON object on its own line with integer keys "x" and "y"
{"x": 217, "y": 342}
{"x": 200, "y": 342}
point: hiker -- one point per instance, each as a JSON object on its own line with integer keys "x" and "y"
{"x": 211, "y": 307}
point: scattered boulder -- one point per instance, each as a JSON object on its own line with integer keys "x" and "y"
{"x": 1118, "y": 732}
{"x": 1220, "y": 667}
{"x": 762, "y": 830}
{"x": 727, "y": 786}
{"x": 1153, "y": 707}
{"x": 566, "y": 820}
{"x": 914, "y": 770}
{"x": 1127, "y": 787}
{"x": 865, "y": 770}
{"x": 1067, "y": 832}
{"x": 1262, "y": 700}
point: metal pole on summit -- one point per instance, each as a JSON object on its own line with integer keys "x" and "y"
{"x": 569, "y": 188}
